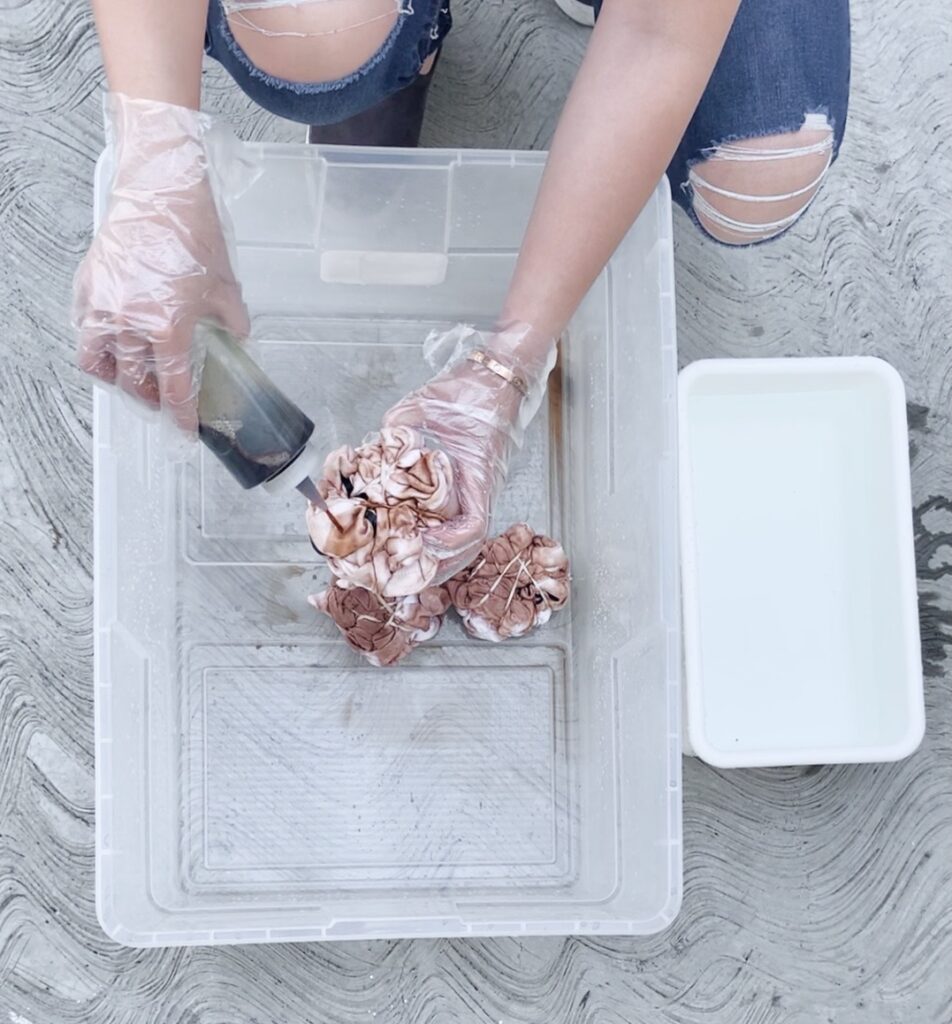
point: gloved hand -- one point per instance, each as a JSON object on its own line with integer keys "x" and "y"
{"x": 476, "y": 415}
{"x": 159, "y": 261}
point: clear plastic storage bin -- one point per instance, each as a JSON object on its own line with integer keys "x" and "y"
{"x": 256, "y": 780}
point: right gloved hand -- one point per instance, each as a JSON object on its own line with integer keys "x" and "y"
{"x": 158, "y": 263}
{"x": 475, "y": 415}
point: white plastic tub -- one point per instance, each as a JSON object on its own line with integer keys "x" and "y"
{"x": 800, "y": 614}
{"x": 256, "y": 781}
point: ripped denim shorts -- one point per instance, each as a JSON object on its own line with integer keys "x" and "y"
{"x": 419, "y": 31}
{"x": 785, "y": 66}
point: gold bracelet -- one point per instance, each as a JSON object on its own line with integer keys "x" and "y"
{"x": 510, "y": 376}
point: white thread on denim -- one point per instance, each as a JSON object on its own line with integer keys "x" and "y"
{"x": 237, "y": 11}
{"x": 748, "y": 151}
{"x": 735, "y": 151}
{"x": 698, "y": 182}
{"x": 233, "y": 6}
{"x": 763, "y": 230}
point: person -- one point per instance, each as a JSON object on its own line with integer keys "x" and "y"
{"x": 742, "y": 103}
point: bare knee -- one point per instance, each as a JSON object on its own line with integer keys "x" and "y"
{"x": 311, "y": 42}
{"x": 750, "y": 190}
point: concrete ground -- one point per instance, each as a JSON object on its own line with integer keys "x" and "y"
{"x": 816, "y": 896}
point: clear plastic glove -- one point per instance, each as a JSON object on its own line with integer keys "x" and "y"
{"x": 476, "y": 416}
{"x": 159, "y": 261}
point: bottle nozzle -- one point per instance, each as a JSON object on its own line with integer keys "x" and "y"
{"x": 309, "y": 489}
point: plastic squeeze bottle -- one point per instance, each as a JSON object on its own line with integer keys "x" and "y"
{"x": 254, "y": 429}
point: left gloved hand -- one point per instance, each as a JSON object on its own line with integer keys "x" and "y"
{"x": 159, "y": 262}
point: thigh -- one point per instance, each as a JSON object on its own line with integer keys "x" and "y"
{"x": 783, "y": 59}
{"x": 418, "y": 32}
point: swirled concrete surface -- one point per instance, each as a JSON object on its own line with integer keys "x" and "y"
{"x": 816, "y": 896}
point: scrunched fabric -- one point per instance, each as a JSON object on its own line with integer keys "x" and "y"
{"x": 515, "y": 584}
{"x": 390, "y": 467}
{"x": 383, "y": 631}
{"x": 381, "y": 497}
